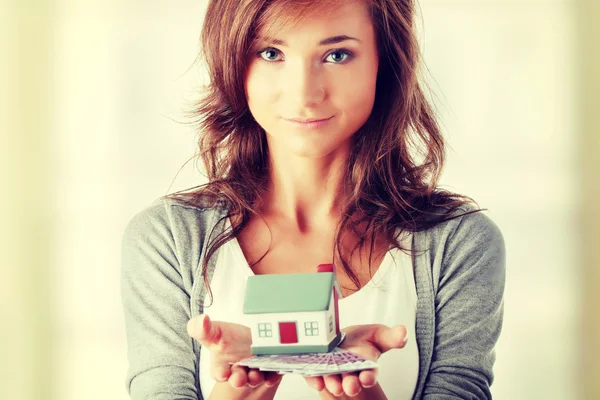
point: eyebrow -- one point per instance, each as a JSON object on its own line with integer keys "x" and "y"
{"x": 324, "y": 42}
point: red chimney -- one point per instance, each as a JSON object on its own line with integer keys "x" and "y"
{"x": 325, "y": 268}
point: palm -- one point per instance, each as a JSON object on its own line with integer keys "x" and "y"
{"x": 228, "y": 343}
{"x": 368, "y": 341}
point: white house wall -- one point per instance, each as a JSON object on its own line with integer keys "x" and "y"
{"x": 331, "y": 312}
{"x": 300, "y": 318}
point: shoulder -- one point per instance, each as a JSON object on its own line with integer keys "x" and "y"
{"x": 167, "y": 235}
{"x": 171, "y": 215}
{"x": 471, "y": 243}
{"x": 173, "y": 229}
{"x": 465, "y": 224}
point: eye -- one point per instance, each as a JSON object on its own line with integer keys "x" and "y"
{"x": 269, "y": 54}
{"x": 339, "y": 56}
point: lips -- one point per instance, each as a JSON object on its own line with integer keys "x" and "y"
{"x": 309, "y": 123}
{"x": 307, "y": 120}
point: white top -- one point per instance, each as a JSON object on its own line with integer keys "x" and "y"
{"x": 390, "y": 298}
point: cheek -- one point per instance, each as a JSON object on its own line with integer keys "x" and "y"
{"x": 258, "y": 90}
{"x": 357, "y": 89}
{"x": 359, "y": 98}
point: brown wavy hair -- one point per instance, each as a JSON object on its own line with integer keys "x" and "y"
{"x": 396, "y": 156}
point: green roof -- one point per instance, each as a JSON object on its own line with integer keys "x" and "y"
{"x": 275, "y": 293}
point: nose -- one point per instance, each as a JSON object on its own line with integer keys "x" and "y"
{"x": 305, "y": 84}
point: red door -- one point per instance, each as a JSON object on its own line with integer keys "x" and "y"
{"x": 288, "y": 332}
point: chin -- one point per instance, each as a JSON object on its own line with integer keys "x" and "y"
{"x": 307, "y": 145}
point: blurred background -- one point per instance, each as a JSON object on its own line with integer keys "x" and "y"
{"x": 92, "y": 100}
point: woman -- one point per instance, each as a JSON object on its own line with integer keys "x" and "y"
{"x": 320, "y": 148}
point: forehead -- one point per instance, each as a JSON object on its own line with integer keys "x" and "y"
{"x": 284, "y": 17}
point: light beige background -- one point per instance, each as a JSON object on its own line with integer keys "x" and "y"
{"x": 89, "y": 92}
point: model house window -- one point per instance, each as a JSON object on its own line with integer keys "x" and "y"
{"x": 331, "y": 323}
{"x": 264, "y": 330}
{"x": 311, "y": 328}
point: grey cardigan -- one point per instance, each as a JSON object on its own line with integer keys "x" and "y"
{"x": 459, "y": 275}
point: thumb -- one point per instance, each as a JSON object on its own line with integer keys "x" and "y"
{"x": 203, "y": 330}
{"x": 387, "y": 338}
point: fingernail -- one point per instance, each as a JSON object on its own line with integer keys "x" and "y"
{"x": 222, "y": 378}
{"x": 220, "y": 374}
{"x": 369, "y": 386}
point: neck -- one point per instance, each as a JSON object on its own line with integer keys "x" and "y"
{"x": 307, "y": 192}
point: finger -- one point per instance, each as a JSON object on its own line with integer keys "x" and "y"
{"x": 196, "y": 324}
{"x": 238, "y": 377}
{"x": 351, "y": 384}
{"x": 386, "y": 338}
{"x": 255, "y": 378}
{"x": 367, "y": 378}
{"x": 272, "y": 378}
{"x": 221, "y": 374}
{"x": 220, "y": 370}
{"x": 333, "y": 383}
{"x": 203, "y": 330}
{"x": 315, "y": 382}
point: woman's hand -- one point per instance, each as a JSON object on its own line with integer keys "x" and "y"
{"x": 229, "y": 342}
{"x": 368, "y": 341}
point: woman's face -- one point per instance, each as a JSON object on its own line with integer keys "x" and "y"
{"x": 324, "y": 69}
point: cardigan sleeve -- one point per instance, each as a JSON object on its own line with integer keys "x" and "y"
{"x": 468, "y": 310}
{"x": 156, "y": 303}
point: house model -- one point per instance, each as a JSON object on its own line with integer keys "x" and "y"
{"x": 293, "y": 313}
